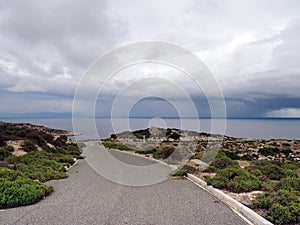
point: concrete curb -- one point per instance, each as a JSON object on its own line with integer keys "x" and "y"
{"x": 241, "y": 209}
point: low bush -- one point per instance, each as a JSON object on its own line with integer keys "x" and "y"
{"x": 272, "y": 172}
{"x": 29, "y": 146}
{"x": 180, "y": 172}
{"x": 231, "y": 155}
{"x": 254, "y": 170}
{"x": 16, "y": 190}
{"x": 289, "y": 183}
{"x": 8, "y": 148}
{"x": 269, "y": 185}
{"x": 167, "y": 151}
{"x": 158, "y": 154}
{"x": 5, "y": 151}
{"x": 279, "y": 214}
{"x": 247, "y": 157}
{"x": 263, "y": 201}
{"x": 283, "y": 207}
{"x": 41, "y": 165}
{"x": 223, "y": 162}
{"x": 268, "y": 151}
{"x": 163, "y": 153}
{"x": 235, "y": 179}
{"x": 210, "y": 169}
{"x": 189, "y": 169}
{"x": 116, "y": 145}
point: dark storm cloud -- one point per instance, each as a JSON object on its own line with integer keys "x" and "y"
{"x": 252, "y": 47}
{"x": 44, "y": 43}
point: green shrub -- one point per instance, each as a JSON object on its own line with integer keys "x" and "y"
{"x": 223, "y": 162}
{"x": 289, "y": 183}
{"x": 29, "y": 146}
{"x": 41, "y": 165}
{"x": 66, "y": 160}
{"x": 279, "y": 214}
{"x": 210, "y": 169}
{"x": 285, "y": 197}
{"x": 167, "y": 151}
{"x": 2, "y": 140}
{"x": 287, "y": 152}
{"x": 282, "y": 207}
{"x": 158, "y": 154}
{"x": 231, "y": 155}
{"x": 9, "y": 174}
{"x": 256, "y": 172}
{"x": 235, "y": 179}
{"x": 272, "y": 171}
{"x": 189, "y": 169}
{"x": 140, "y": 134}
{"x": 269, "y": 185}
{"x": 286, "y": 144}
{"x": 180, "y": 172}
{"x": 247, "y": 157}
{"x": 219, "y": 182}
{"x": 263, "y": 201}
{"x": 269, "y": 151}
{"x": 145, "y": 151}
{"x": 4, "y": 153}
{"x": 60, "y": 141}
{"x": 8, "y": 148}
{"x": 116, "y": 145}
{"x": 16, "y": 190}
{"x": 276, "y": 170}
{"x": 244, "y": 183}
{"x": 12, "y": 159}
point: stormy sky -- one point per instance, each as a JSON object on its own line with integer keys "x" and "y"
{"x": 252, "y": 48}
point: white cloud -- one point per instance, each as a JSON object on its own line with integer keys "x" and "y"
{"x": 25, "y": 87}
{"x": 286, "y": 112}
{"x": 251, "y": 46}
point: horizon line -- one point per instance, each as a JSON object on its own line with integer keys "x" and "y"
{"x": 137, "y": 117}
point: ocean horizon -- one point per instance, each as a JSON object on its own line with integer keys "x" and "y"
{"x": 258, "y": 128}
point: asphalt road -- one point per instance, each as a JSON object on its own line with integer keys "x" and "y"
{"x": 88, "y": 198}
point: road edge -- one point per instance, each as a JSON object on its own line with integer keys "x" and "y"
{"x": 240, "y": 209}
{"x": 246, "y": 214}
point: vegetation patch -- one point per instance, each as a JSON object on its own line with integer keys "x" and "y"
{"x": 179, "y": 172}
{"x": 21, "y": 182}
{"x": 234, "y": 179}
{"x": 282, "y": 207}
{"x": 116, "y": 145}
{"x": 16, "y": 190}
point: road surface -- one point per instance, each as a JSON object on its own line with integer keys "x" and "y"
{"x": 88, "y": 198}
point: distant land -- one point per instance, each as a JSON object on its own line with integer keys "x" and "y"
{"x": 70, "y": 115}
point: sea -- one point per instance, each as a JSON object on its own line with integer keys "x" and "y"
{"x": 98, "y": 128}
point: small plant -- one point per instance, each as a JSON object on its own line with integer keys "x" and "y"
{"x": 279, "y": 214}
{"x": 223, "y": 162}
{"x": 180, "y": 172}
{"x": 235, "y": 179}
{"x": 116, "y": 145}
{"x": 29, "y": 146}
{"x": 263, "y": 201}
{"x": 5, "y": 151}
{"x": 158, "y": 154}
{"x": 282, "y": 207}
{"x": 269, "y": 151}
